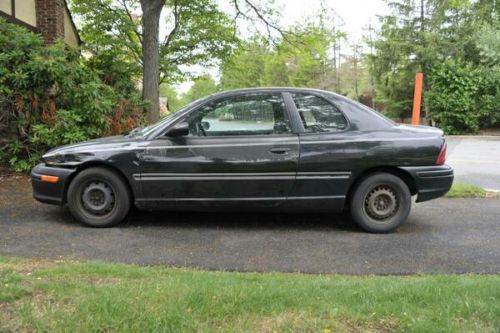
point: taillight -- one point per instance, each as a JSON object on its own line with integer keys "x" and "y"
{"x": 441, "y": 159}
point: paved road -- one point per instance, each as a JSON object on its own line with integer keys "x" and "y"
{"x": 476, "y": 160}
{"x": 445, "y": 235}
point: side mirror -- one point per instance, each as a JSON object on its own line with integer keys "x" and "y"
{"x": 181, "y": 129}
{"x": 205, "y": 125}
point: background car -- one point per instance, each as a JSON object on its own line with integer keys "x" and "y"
{"x": 283, "y": 149}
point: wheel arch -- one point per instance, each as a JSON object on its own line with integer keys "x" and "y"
{"x": 405, "y": 176}
{"x": 101, "y": 164}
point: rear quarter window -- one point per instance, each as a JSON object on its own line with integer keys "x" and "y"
{"x": 317, "y": 114}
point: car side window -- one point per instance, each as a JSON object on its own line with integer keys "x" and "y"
{"x": 251, "y": 114}
{"x": 317, "y": 114}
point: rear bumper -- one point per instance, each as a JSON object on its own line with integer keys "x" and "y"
{"x": 51, "y": 193}
{"x": 432, "y": 181}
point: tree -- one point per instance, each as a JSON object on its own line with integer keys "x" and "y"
{"x": 246, "y": 67}
{"x": 173, "y": 101}
{"x": 453, "y": 43}
{"x": 198, "y": 33}
{"x": 151, "y": 10}
{"x": 58, "y": 97}
{"x": 203, "y": 86}
{"x": 299, "y": 58}
{"x": 414, "y": 38}
{"x": 354, "y": 75}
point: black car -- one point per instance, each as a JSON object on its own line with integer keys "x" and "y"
{"x": 278, "y": 149}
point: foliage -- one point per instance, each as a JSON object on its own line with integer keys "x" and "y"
{"x": 202, "y": 86}
{"x": 303, "y": 54}
{"x": 55, "y": 97}
{"x": 62, "y": 296}
{"x": 299, "y": 58}
{"x": 173, "y": 101}
{"x": 488, "y": 44}
{"x": 453, "y": 97}
{"x": 425, "y": 38}
{"x": 199, "y": 33}
{"x": 459, "y": 190}
{"x": 466, "y": 96}
{"x": 245, "y": 68}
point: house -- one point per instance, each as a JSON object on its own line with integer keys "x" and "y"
{"x": 50, "y": 18}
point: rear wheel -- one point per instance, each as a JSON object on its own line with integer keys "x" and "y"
{"x": 381, "y": 203}
{"x": 98, "y": 197}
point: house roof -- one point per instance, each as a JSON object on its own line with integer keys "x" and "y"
{"x": 72, "y": 22}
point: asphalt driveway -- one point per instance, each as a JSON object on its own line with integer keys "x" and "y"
{"x": 475, "y": 159}
{"x": 445, "y": 235}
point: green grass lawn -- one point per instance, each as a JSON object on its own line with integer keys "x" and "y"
{"x": 459, "y": 190}
{"x": 52, "y": 296}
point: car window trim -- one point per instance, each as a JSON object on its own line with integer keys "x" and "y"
{"x": 295, "y": 121}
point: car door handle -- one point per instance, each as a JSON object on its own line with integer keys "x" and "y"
{"x": 145, "y": 157}
{"x": 279, "y": 150}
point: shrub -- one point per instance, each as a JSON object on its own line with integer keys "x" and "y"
{"x": 488, "y": 98}
{"x": 452, "y": 97}
{"x": 488, "y": 44}
{"x": 55, "y": 97}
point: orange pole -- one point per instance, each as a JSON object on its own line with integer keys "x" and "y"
{"x": 417, "y": 99}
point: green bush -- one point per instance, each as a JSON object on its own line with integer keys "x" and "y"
{"x": 452, "y": 98}
{"x": 465, "y": 97}
{"x": 488, "y": 98}
{"x": 488, "y": 44}
{"x": 56, "y": 97}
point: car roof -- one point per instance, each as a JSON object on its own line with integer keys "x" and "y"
{"x": 274, "y": 89}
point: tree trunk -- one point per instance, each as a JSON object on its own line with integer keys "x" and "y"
{"x": 151, "y": 10}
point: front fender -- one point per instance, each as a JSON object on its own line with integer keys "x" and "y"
{"x": 51, "y": 192}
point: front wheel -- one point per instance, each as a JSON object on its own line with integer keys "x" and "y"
{"x": 381, "y": 203}
{"x": 98, "y": 197}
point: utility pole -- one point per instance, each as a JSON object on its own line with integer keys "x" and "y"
{"x": 423, "y": 61}
{"x": 372, "y": 81}
{"x": 355, "y": 63}
{"x": 335, "y": 52}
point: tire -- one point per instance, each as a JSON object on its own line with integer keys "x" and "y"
{"x": 98, "y": 197}
{"x": 381, "y": 203}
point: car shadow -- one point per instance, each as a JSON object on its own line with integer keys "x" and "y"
{"x": 242, "y": 220}
{"x": 225, "y": 220}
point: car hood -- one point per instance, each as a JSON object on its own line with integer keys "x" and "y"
{"x": 110, "y": 142}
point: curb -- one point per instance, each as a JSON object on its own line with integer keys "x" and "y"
{"x": 490, "y": 193}
{"x": 491, "y": 137}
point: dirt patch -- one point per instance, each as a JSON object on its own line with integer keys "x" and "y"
{"x": 6, "y": 171}
{"x": 490, "y": 131}
{"x": 15, "y": 192}
{"x": 304, "y": 322}
{"x": 28, "y": 266}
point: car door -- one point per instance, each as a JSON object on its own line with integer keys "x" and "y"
{"x": 240, "y": 151}
{"x": 323, "y": 177}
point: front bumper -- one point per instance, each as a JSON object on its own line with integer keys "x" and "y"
{"x": 47, "y": 192}
{"x": 431, "y": 181}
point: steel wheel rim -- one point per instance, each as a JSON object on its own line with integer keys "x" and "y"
{"x": 381, "y": 203}
{"x": 98, "y": 198}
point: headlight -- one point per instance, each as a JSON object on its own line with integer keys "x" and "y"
{"x": 53, "y": 159}
{"x": 66, "y": 159}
